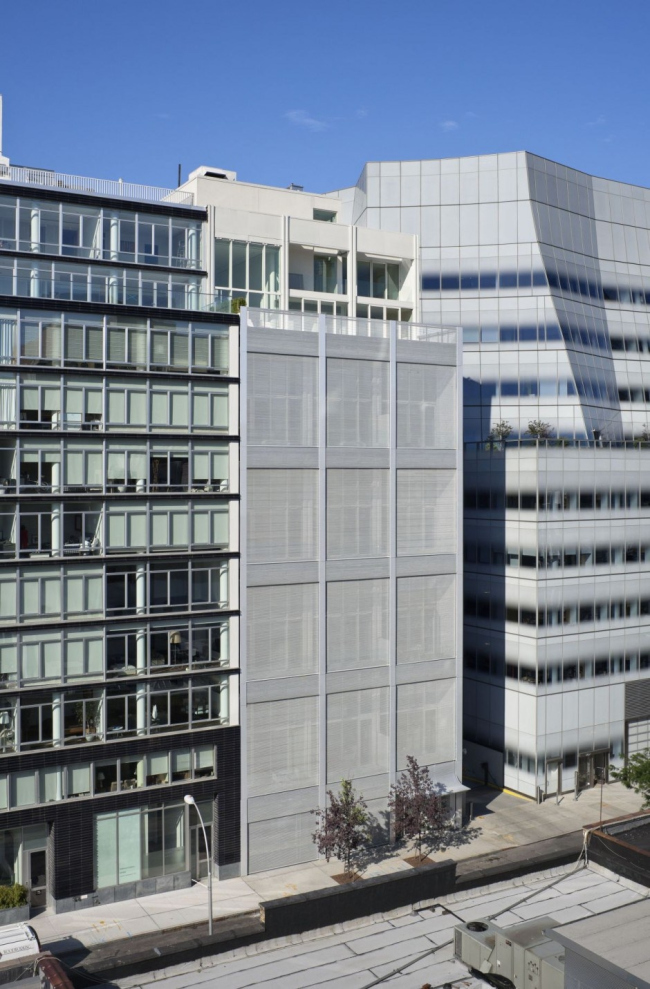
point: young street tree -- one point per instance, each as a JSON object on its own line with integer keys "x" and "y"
{"x": 416, "y": 808}
{"x": 343, "y": 825}
{"x": 636, "y": 775}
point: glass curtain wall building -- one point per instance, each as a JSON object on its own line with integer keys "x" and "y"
{"x": 118, "y": 543}
{"x": 547, "y": 270}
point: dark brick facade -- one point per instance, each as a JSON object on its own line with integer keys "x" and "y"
{"x": 70, "y": 852}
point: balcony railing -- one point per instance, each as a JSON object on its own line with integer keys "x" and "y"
{"x": 277, "y": 319}
{"x": 96, "y": 187}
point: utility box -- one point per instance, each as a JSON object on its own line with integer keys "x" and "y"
{"x": 520, "y": 957}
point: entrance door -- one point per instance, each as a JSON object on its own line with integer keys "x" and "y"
{"x": 585, "y": 771}
{"x": 553, "y": 776}
{"x": 37, "y": 860}
{"x": 600, "y": 767}
{"x": 199, "y": 855}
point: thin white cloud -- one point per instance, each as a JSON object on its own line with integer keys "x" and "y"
{"x": 362, "y": 112}
{"x": 303, "y": 119}
{"x": 598, "y": 122}
{"x": 449, "y": 125}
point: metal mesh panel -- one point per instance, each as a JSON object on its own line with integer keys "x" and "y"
{"x": 426, "y": 618}
{"x": 426, "y": 512}
{"x": 282, "y": 745}
{"x": 282, "y": 515}
{"x": 357, "y": 513}
{"x": 282, "y": 841}
{"x": 357, "y": 403}
{"x": 425, "y": 722}
{"x": 357, "y": 734}
{"x": 357, "y": 624}
{"x": 282, "y": 630}
{"x": 637, "y": 698}
{"x": 282, "y": 400}
{"x": 426, "y": 406}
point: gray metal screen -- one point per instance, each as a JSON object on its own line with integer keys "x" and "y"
{"x": 282, "y": 515}
{"x": 281, "y": 841}
{"x": 426, "y": 722}
{"x": 426, "y": 406}
{"x": 357, "y": 403}
{"x": 357, "y": 624}
{"x": 282, "y": 745}
{"x": 426, "y": 618}
{"x": 357, "y": 513}
{"x": 282, "y": 630}
{"x": 282, "y": 400}
{"x": 357, "y": 734}
{"x": 426, "y": 512}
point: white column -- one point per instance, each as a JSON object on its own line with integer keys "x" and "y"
{"x": 57, "y": 512}
{"x": 114, "y": 238}
{"x": 193, "y": 296}
{"x": 35, "y": 229}
{"x": 224, "y": 701}
{"x": 141, "y": 649}
{"x": 193, "y": 244}
{"x": 223, "y": 584}
{"x": 57, "y": 718}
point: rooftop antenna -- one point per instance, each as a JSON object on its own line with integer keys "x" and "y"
{"x": 179, "y": 175}
{"x": 3, "y": 159}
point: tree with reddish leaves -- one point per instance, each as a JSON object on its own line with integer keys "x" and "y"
{"x": 417, "y": 810}
{"x": 343, "y": 825}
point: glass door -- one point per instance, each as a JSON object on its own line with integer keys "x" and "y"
{"x": 37, "y": 871}
{"x": 199, "y": 855}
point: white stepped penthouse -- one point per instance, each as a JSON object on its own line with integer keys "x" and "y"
{"x": 547, "y": 270}
{"x": 349, "y": 487}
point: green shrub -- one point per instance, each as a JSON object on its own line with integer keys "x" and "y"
{"x": 12, "y": 896}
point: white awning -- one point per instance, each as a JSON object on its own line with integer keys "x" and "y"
{"x": 447, "y": 780}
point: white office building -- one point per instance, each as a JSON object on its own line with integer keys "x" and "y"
{"x": 547, "y": 270}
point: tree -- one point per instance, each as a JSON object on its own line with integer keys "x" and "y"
{"x": 539, "y": 429}
{"x": 416, "y": 807}
{"x": 501, "y": 430}
{"x": 635, "y": 775}
{"x": 343, "y": 825}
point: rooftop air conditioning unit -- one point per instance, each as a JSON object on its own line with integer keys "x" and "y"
{"x": 520, "y": 957}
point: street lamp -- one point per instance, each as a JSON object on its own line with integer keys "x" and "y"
{"x": 191, "y": 802}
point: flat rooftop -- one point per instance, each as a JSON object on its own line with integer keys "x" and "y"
{"x": 618, "y": 940}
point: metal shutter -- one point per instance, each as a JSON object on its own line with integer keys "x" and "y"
{"x": 357, "y": 513}
{"x": 282, "y": 745}
{"x": 426, "y": 512}
{"x": 425, "y": 722}
{"x": 282, "y": 400}
{"x": 426, "y": 618}
{"x": 426, "y": 406}
{"x": 282, "y": 630}
{"x": 357, "y": 624}
{"x": 357, "y": 403}
{"x": 638, "y": 736}
{"x": 282, "y": 515}
{"x": 357, "y": 734}
{"x": 281, "y": 841}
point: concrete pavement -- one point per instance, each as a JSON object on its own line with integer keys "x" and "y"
{"x": 501, "y": 821}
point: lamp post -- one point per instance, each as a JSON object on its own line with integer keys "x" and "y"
{"x": 191, "y": 802}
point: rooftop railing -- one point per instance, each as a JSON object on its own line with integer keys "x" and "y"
{"x": 96, "y": 187}
{"x": 277, "y": 319}
{"x": 555, "y": 443}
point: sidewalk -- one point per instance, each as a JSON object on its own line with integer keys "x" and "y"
{"x": 501, "y": 821}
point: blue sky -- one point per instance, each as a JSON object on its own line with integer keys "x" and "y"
{"x": 306, "y": 92}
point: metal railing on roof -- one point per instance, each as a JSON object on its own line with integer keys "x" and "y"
{"x": 278, "y": 319}
{"x": 554, "y": 443}
{"x": 96, "y": 187}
